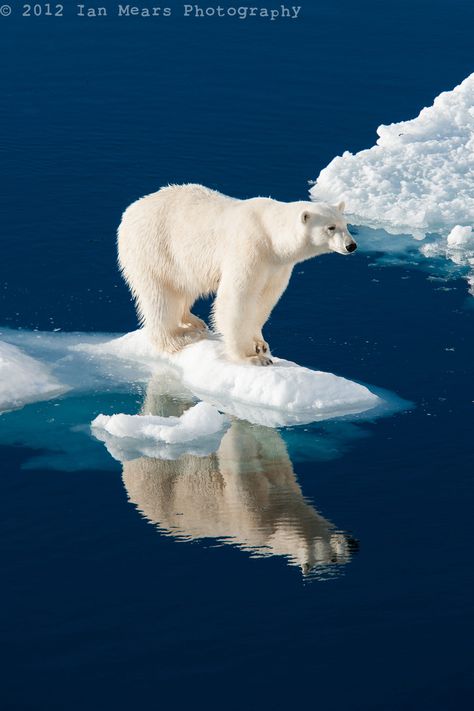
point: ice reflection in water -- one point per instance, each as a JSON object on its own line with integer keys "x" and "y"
{"x": 244, "y": 494}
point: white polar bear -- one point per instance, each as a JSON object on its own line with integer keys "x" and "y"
{"x": 187, "y": 241}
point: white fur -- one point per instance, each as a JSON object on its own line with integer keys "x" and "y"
{"x": 187, "y": 241}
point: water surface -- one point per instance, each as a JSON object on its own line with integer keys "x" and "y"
{"x": 326, "y": 565}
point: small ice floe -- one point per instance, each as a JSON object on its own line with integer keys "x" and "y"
{"x": 199, "y": 421}
{"x": 23, "y": 379}
{"x": 197, "y": 431}
{"x": 280, "y": 394}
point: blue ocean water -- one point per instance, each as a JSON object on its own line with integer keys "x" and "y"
{"x": 108, "y": 602}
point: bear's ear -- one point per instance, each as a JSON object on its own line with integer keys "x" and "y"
{"x": 304, "y": 217}
{"x": 341, "y": 206}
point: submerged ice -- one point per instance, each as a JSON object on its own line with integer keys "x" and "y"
{"x": 281, "y": 394}
{"x": 24, "y": 379}
{"x": 50, "y": 363}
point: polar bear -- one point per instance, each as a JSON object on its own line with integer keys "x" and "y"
{"x": 187, "y": 241}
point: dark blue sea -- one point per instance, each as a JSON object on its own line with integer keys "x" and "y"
{"x": 130, "y": 588}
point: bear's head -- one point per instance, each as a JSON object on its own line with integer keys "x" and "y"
{"x": 325, "y": 229}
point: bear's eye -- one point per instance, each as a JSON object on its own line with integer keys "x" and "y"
{"x": 331, "y": 228}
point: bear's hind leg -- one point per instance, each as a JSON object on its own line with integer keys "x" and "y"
{"x": 161, "y": 310}
{"x": 189, "y": 320}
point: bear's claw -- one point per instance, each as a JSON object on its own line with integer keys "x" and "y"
{"x": 260, "y": 360}
{"x": 261, "y": 346}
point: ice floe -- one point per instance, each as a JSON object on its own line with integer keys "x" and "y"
{"x": 199, "y": 421}
{"x": 420, "y": 175}
{"x": 197, "y": 431}
{"x": 418, "y": 179}
{"x": 24, "y": 379}
{"x": 275, "y": 395}
{"x": 279, "y": 395}
{"x": 58, "y": 432}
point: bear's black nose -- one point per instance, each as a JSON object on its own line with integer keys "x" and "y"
{"x": 351, "y": 247}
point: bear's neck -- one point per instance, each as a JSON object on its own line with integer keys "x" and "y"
{"x": 280, "y": 221}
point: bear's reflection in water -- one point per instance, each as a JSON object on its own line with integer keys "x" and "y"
{"x": 245, "y": 494}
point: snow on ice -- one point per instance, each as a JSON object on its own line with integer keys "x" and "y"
{"x": 292, "y": 392}
{"x": 278, "y": 395}
{"x": 418, "y": 179}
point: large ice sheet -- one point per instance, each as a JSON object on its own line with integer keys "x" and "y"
{"x": 285, "y": 392}
{"x": 24, "y": 379}
{"x": 418, "y": 180}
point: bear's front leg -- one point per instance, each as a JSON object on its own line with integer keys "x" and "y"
{"x": 234, "y": 316}
{"x": 260, "y": 359}
{"x": 273, "y": 288}
{"x": 262, "y": 347}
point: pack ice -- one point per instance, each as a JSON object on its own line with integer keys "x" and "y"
{"x": 417, "y": 179}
